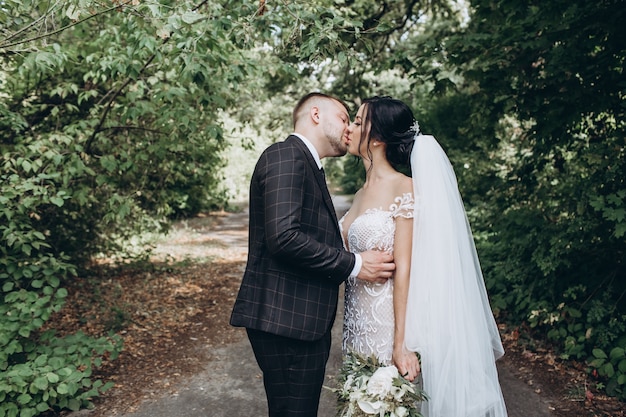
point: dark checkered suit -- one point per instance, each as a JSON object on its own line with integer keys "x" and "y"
{"x": 296, "y": 262}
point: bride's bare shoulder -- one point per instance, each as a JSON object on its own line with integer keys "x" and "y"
{"x": 403, "y": 184}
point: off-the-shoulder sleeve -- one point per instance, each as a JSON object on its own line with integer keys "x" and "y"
{"x": 403, "y": 206}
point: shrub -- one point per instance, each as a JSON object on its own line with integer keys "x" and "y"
{"x": 611, "y": 368}
{"x": 39, "y": 371}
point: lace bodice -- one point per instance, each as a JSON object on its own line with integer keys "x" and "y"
{"x": 368, "y": 315}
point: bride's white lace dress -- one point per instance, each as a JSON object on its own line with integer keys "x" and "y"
{"x": 368, "y": 326}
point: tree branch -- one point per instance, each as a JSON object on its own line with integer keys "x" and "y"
{"x": 31, "y": 24}
{"x": 143, "y": 129}
{"x": 48, "y": 34}
{"x": 109, "y": 105}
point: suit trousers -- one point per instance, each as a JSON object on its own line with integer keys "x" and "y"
{"x": 293, "y": 372}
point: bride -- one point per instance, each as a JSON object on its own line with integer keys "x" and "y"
{"x": 437, "y": 304}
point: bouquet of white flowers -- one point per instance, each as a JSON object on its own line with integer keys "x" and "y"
{"x": 366, "y": 387}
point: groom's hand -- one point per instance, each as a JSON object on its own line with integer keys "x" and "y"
{"x": 377, "y": 266}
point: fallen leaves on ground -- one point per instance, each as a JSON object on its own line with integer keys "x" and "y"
{"x": 169, "y": 314}
{"x": 567, "y": 384}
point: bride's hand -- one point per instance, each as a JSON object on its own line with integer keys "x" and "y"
{"x": 407, "y": 363}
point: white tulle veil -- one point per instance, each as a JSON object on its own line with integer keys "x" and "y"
{"x": 449, "y": 320}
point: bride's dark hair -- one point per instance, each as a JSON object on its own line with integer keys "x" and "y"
{"x": 391, "y": 121}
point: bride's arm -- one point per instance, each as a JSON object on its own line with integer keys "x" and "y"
{"x": 405, "y": 360}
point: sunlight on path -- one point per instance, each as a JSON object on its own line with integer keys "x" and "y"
{"x": 219, "y": 235}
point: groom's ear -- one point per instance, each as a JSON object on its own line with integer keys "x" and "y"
{"x": 315, "y": 114}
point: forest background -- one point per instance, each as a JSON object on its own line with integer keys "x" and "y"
{"x": 119, "y": 116}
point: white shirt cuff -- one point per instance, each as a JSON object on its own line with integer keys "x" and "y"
{"x": 358, "y": 262}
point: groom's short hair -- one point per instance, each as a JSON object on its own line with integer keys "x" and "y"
{"x": 298, "y": 111}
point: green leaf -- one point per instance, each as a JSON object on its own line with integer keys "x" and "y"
{"x": 192, "y": 17}
{"x": 26, "y": 165}
{"x": 41, "y": 360}
{"x": 617, "y": 353}
{"x": 24, "y": 399}
{"x": 28, "y": 412}
{"x": 608, "y": 370}
{"x": 54, "y": 281}
{"x": 73, "y": 404}
{"x": 599, "y": 353}
{"x": 58, "y": 201}
{"x": 41, "y": 383}
{"x": 27, "y": 249}
{"x": 383, "y": 27}
{"x": 597, "y": 363}
{"x": 41, "y": 407}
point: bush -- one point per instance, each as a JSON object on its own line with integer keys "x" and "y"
{"x": 38, "y": 370}
{"x": 611, "y": 368}
{"x": 51, "y": 373}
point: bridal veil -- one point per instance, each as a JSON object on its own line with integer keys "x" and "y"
{"x": 449, "y": 320}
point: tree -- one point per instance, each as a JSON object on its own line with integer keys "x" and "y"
{"x": 545, "y": 85}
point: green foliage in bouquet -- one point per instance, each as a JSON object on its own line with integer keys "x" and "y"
{"x": 368, "y": 387}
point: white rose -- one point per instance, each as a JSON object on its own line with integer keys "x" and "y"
{"x": 381, "y": 381}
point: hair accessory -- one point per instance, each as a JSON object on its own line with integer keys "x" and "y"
{"x": 415, "y": 128}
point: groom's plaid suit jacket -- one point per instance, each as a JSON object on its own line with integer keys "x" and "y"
{"x": 296, "y": 260}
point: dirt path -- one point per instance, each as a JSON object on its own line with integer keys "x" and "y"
{"x": 211, "y": 369}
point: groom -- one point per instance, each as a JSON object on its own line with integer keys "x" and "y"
{"x": 288, "y": 296}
